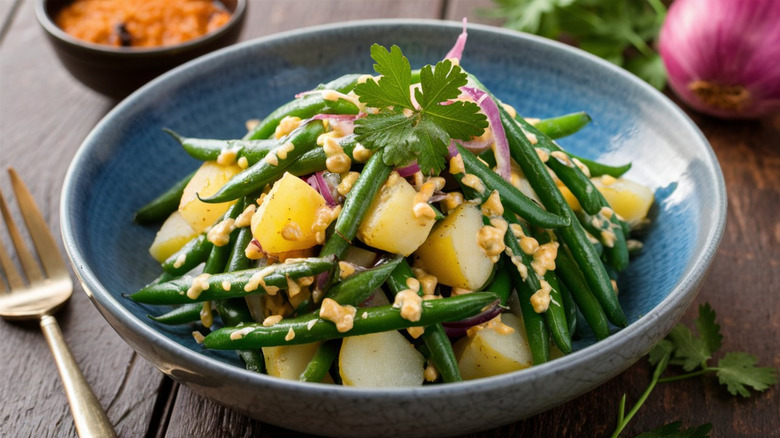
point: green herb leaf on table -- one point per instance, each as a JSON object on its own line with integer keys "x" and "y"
{"x": 407, "y": 132}
{"x": 622, "y": 32}
{"x": 738, "y": 371}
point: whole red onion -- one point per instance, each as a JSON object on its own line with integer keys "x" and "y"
{"x": 723, "y": 56}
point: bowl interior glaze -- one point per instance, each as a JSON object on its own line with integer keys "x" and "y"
{"x": 127, "y": 160}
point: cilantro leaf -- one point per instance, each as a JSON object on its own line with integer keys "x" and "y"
{"x": 662, "y": 349}
{"x": 690, "y": 351}
{"x": 672, "y": 430}
{"x": 708, "y": 328}
{"x": 407, "y": 131}
{"x": 738, "y": 371}
{"x": 392, "y": 89}
{"x": 432, "y": 141}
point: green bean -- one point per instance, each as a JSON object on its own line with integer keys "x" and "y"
{"x": 234, "y": 311}
{"x": 524, "y": 153}
{"x": 314, "y": 160}
{"x": 356, "y": 205}
{"x": 554, "y": 317}
{"x": 184, "y": 314}
{"x": 255, "y": 177}
{"x": 570, "y": 307}
{"x": 599, "y": 169}
{"x": 574, "y": 281}
{"x": 434, "y": 336}
{"x": 210, "y": 149}
{"x": 502, "y": 282}
{"x": 158, "y": 209}
{"x": 511, "y": 197}
{"x": 301, "y": 330}
{"x": 535, "y": 327}
{"x": 352, "y": 291}
{"x": 360, "y": 286}
{"x": 610, "y": 234}
{"x": 193, "y": 253}
{"x": 575, "y": 179}
{"x": 175, "y": 291}
{"x": 308, "y": 106}
{"x": 319, "y": 365}
{"x": 562, "y": 126}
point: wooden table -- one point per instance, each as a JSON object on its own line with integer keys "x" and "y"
{"x": 45, "y": 114}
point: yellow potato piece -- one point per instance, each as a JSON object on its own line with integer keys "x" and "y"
{"x": 627, "y": 198}
{"x": 380, "y": 360}
{"x": 209, "y": 178}
{"x": 289, "y": 361}
{"x": 452, "y": 254}
{"x": 283, "y": 222}
{"x": 173, "y": 234}
{"x": 490, "y": 352}
{"x": 390, "y": 224}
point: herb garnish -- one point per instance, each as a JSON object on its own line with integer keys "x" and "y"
{"x": 736, "y": 370}
{"x": 406, "y": 132}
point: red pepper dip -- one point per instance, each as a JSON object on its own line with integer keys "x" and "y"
{"x": 141, "y": 23}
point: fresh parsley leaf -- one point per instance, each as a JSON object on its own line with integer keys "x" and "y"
{"x": 392, "y": 89}
{"x": 408, "y": 132}
{"x": 738, "y": 371}
{"x": 708, "y": 328}
{"x": 622, "y": 32}
{"x": 672, "y": 430}
{"x": 662, "y": 349}
{"x": 689, "y": 351}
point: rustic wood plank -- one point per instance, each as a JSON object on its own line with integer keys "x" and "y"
{"x": 44, "y": 116}
{"x": 270, "y": 16}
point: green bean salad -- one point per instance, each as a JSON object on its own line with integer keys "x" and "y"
{"x": 395, "y": 229}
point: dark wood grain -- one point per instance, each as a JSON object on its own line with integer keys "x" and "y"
{"x": 44, "y": 117}
{"x": 45, "y": 114}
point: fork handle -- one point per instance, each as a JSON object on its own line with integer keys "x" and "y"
{"x": 88, "y": 415}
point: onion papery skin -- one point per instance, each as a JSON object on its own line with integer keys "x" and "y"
{"x": 723, "y": 56}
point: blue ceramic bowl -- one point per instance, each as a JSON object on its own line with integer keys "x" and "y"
{"x": 127, "y": 160}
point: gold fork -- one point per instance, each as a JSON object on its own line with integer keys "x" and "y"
{"x": 40, "y": 298}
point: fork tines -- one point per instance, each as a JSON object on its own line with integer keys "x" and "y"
{"x": 45, "y": 245}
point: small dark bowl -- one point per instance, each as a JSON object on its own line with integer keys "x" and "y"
{"x": 118, "y": 71}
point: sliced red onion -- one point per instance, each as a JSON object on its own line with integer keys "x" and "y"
{"x": 478, "y": 145}
{"x": 722, "y": 55}
{"x": 340, "y": 117}
{"x": 452, "y": 150}
{"x": 409, "y": 170}
{"x": 457, "y": 50}
{"x": 438, "y": 196}
{"x": 500, "y": 143}
{"x": 480, "y": 318}
{"x": 319, "y": 183}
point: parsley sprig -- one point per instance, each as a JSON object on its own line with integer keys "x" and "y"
{"x": 407, "y": 132}
{"x": 622, "y": 32}
{"x": 736, "y": 370}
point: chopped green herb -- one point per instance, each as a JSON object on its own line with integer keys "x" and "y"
{"x": 408, "y": 132}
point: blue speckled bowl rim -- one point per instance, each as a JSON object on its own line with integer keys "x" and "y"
{"x": 687, "y": 286}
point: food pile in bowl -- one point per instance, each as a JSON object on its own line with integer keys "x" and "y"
{"x": 141, "y": 23}
{"x": 395, "y": 230}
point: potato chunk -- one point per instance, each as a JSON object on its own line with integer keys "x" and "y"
{"x": 627, "y": 198}
{"x": 208, "y": 179}
{"x": 390, "y": 224}
{"x": 284, "y": 221}
{"x": 452, "y": 252}
{"x": 491, "y": 352}
{"x": 174, "y": 233}
{"x": 378, "y": 360}
{"x": 289, "y": 361}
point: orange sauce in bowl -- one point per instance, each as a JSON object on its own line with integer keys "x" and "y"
{"x": 141, "y": 23}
